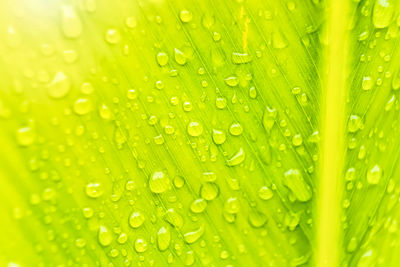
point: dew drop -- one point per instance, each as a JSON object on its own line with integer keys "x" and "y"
{"x": 140, "y": 245}
{"x": 240, "y": 58}
{"x": 269, "y": 118}
{"x": 374, "y": 175}
{"x": 218, "y": 136}
{"x": 159, "y": 182}
{"x": 297, "y": 185}
{"x": 265, "y": 193}
{"x": 60, "y": 85}
{"x": 237, "y": 158}
{"x": 355, "y": 123}
{"x": 198, "y": 205}
{"x": 235, "y": 129}
{"x": 382, "y": 13}
{"x": 186, "y": 16}
{"x": 105, "y": 112}
{"x": 162, "y": 58}
{"x": 209, "y": 191}
{"x": 82, "y": 106}
{"x": 180, "y": 58}
{"x": 163, "y": 238}
{"x": 367, "y": 83}
{"x": 174, "y": 218}
{"x": 191, "y": 237}
{"x": 136, "y": 219}
{"x": 257, "y": 219}
{"x": 94, "y": 190}
{"x": 25, "y": 136}
{"x": 113, "y": 36}
{"x": 232, "y": 81}
{"x": 104, "y": 236}
{"x": 232, "y": 205}
{"x": 195, "y": 128}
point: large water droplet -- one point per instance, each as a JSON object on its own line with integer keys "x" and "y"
{"x": 198, "y": 205}
{"x": 237, "y": 158}
{"x": 296, "y": 183}
{"x": 136, "y": 219}
{"x": 174, "y": 218}
{"x": 159, "y": 182}
{"x": 191, "y": 237}
{"x": 140, "y": 245}
{"x": 209, "y": 191}
{"x": 269, "y": 118}
{"x": 265, "y": 193}
{"x": 104, "y": 236}
{"x": 82, "y": 106}
{"x": 195, "y": 128}
{"x": 383, "y": 13}
{"x": 25, "y": 136}
{"x": 163, "y": 238}
{"x": 218, "y": 136}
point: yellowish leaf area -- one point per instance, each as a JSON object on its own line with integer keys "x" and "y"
{"x": 199, "y": 133}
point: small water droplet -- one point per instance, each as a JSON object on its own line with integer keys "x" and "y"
{"x": 186, "y": 16}
{"x": 25, "y": 136}
{"x": 104, "y": 236}
{"x": 257, "y": 219}
{"x": 140, "y": 245}
{"x": 232, "y": 81}
{"x": 180, "y": 58}
{"x": 367, "y": 83}
{"x": 232, "y": 205}
{"x": 174, "y": 218}
{"x": 236, "y": 129}
{"x": 82, "y": 106}
{"x": 113, "y": 36}
{"x": 269, "y": 118}
{"x": 374, "y": 175}
{"x": 265, "y": 193}
{"x": 355, "y": 123}
{"x": 240, "y": 58}
{"x": 162, "y": 58}
{"x": 218, "y": 136}
{"x": 94, "y": 190}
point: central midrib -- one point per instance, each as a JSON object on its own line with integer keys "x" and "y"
{"x": 329, "y": 190}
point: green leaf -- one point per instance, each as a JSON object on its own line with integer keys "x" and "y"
{"x": 203, "y": 133}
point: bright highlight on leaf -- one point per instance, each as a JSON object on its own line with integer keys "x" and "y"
{"x": 199, "y": 133}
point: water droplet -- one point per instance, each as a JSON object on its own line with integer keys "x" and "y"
{"x": 174, "y": 218}
{"x": 113, "y": 36}
{"x": 191, "y": 237}
{"x": 105, "y": 112}
{"x": 269, "y": 118}
{"x": 355, "y": 123}
{"x": 237, "y": 158}
{"x": 104, "y": 236}
{"x": 297, "y": 140}
{"x": 220, "y": 102}
{"x": 232, "y": 205}
{"x": 136, "y": 219}
{"x": 180, "y": 58}
{"x": 194, "y": 128}
{"x": 25, "y": 136}
{"x": 292, "y": 220}
{"x": 198, "y": 205}
{"x": 232, "y": 81}
{"x": 218, "y": 136}
{"x": 140, "y": 245}
{"x": 257, "y": 219}
{"x": 209, "y": 191}
{"x": 236, "y": 129}
{"x": 352, "y": 245}
{"x": 87, "y": 88}
{"x": 163, "y": 238}
{"x": 383, "y": 13}
{"x": 296, "y": 183}
{"x": 179, "y": 182}
{"x": 131, "y": 22}
{"x": 159, "y": 182}
{"x": 162, "y": 58}
{"x": 240, "y": 58}
{"x": 70, "y": 22}
{"x": 265, "y": 193}
{"x": 94, "y": 190}
{"x": 60, "y": 85}
{"x": 367, "y": 83}
{"x": 82, "y": 106}
{"x": 374, "y": 175}
{"x": 186, "y": 16}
